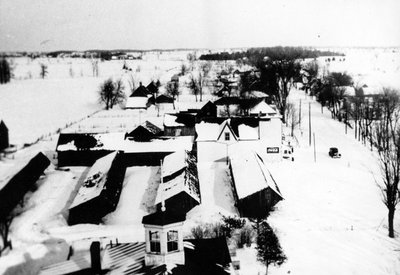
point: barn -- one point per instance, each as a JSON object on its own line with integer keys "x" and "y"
{"x": 255, "y": 190}
{"x": 99, "y": 194}
{"x": 14, "y": 186}
{"x": 4, "y": 142}
{"x": 179, "y": 188}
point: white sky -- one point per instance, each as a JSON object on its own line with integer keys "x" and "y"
{"x": 145, "y": 24}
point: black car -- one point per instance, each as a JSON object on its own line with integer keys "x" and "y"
{"x": 334, "y": 152}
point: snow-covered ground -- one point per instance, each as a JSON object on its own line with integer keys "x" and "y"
{"x": 331, "y": 221}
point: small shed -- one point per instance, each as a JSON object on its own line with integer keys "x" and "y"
{"x": 99, "y": 194}
{"x": 255, "y": 190}
{"x": 144, "y": 132}
{"x": 179, "y": 188}
{"x": 4, "y": 141}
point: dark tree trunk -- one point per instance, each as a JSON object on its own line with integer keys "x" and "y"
{"x": 390, "y": 220}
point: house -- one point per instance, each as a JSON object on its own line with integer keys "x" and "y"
{"x": 138, "y": 99}
{"x": 152, "y": 88}
{"x": 255, "y": 190}
{"x": 99, "y": 194}
{"x": 4, "y": 142}
{"x": 255, "y": 104}
{"x": 19, "y": 180}
{"x": 144, "y": 132}
{"x": 164, "y": 103}
{"x": 216, "y": 138}
{"x": 163, "y": 252}
{"x": 179, "y": 189}
{"x": 208, "y": 110}
{"x": 180, "y": 124}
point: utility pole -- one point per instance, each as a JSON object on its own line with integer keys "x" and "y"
{"x": 309, "y": 123}
{"x": 300, "y": 114}
{"x": 315, "y": 154}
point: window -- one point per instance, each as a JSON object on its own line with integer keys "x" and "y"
{"x": 172, "y": 240}
{"x": 155, "y": 242}
{"x": 227, "y": 136}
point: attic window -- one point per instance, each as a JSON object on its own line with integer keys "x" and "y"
{"x": 155, "y": 242}
{"x": 227, "y": 136}
{"x": 172, "y": 237}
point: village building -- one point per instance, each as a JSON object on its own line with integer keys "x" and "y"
{"x": 179, "y": 189}
{"x": 138, "y": 99}
{"x": 216, "y": 138}
{"x": 152, "y": 88}
{"x": 254, "y": 105}
{"x": 99, "y": 194}
{"x": 180, "y": 124}
{"x": 16, "y": 181}
{"x": 163, "y": 252}
{"x": 144, "y": 132}
{"x": 164, "y": 103}
{"x": 4, "y": 139}
{"x": 255, "y": 195}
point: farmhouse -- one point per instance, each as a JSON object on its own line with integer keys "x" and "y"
{"x": 255, "y": 190}
{"x": 99, "y": 194}
{"x": 164, "y": 103}
{"x": 216, "y": 138}
{"x": 4, "y": 142}
{"x": 179, "y": 189}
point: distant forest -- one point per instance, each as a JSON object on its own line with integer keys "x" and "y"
{"x": 274, "y": 53}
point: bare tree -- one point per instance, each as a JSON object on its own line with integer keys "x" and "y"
{"x": 95, "y": 67}
{"x": 111, "y": 93}
{"x": 292, "y": 117}
{"x": 43, "y": 70}
{"x": 387, "y": 137}
{"x": 172, "y": 90}
{"x": 194, "y": 86}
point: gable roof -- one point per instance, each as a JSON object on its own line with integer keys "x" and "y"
{"x": 244, "y": 164}
{"x": 227, "y": 100}
{"x": 95, "y": 180}
{"x": 145, "y": 131}
{"x": 226, "y": 124}
{"x": 152, "y": 87}
{"x": 179, "y": 174}
{"x": 141, "y": 91}
{"x": 164, "y": 99}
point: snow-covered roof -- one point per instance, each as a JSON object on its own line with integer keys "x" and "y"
{"x": 136, "y": 102}
{"x": 263, "y": 108}
{"x": 173, "y": 163}
{"x": 207, "y": 131}
{"x": 186, "y": 180}
{"x": 95, "y": 180}
{"x": 250, "y": 174}
{"x": 170, "y": 121}
{"x": 246, "y": 132}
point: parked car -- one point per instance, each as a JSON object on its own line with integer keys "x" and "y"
{"x": 334, "y": 152}
{"x": 287, "y": 152}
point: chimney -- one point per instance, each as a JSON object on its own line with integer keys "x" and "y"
{"x": 95, "y": 258}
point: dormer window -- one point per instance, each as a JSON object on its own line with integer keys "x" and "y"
{"x": 155, "y": 242}
{"x": 227, "y": 136}
{"x": 172, "y": 240}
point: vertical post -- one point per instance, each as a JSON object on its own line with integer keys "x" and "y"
{"x": 300, "y": 114}
{"x": 161, "y": 186}
{"x": 315, "y": 154}
{"x": 309, "y": 123}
